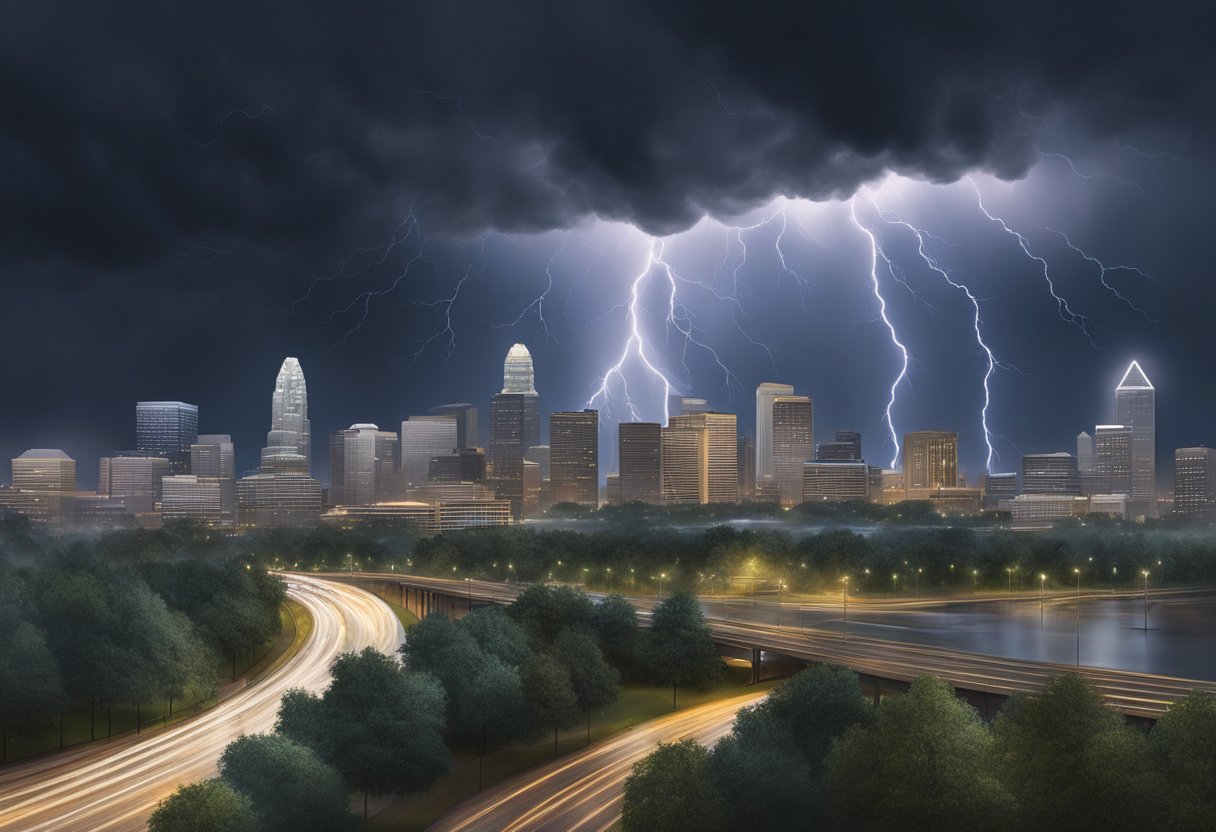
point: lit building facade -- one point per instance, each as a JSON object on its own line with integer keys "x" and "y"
{"x": 208, "y": 500}
{"x": 136, "y": 480}
{"x": 837, "y": 481}
{"x": 44, "y": 469}
{"x": 640, "y": 453}
{"x": 930, "y": 462}
{"x": 289, "y": 441}
{"x": 1054, "y": 473}
{"x": 1195, "y": 482}
{"x": 424, "y": 437}
{"x": 369, "y": 465}
{"x": 574, "y": 457}
{"x": 167, "y": 429}
{"x": 1136, "y": 409}
{"x": 467, "y": 424}
{"x": 277, "y": 500}
{"x": 765, "y": 393}
{"x": 793, "y": 444}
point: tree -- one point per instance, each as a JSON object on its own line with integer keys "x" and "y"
{"x": 924, "y": 763}
{"x": 769, "y": 769}
{"x": 291, "y": 788}
{"x": 593, "y": 679}
{"x": 671, "y": 790}
{"x": 550, "y": 697}
{"x": 497, "y": 634}
{"x": 1183, "y": 743}
{"x": 678, "y": 649}
{"x": 209, "y": 806}
{"x": 31, "y": 688}
{"x": 544, "y": 611}
{"x": 615, "y": 622}
{"x": 378, "y": 725}
{"x": 1072, "y": 763}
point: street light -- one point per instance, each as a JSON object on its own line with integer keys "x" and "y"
{"x": 918, "y": 571}
{"x": 846, "y": 608}
{"x": 975, "y": 580}
{"x": 1077, "y": 572}
{"x": 1145, "y": 574}
{"x": 662, "y": 575}
{"x": 1042, "y": 588}
{"x": 1009, "y": 572}
{"x": 894, "y": 581}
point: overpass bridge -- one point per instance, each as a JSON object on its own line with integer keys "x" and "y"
{"x": 885, "y": 666}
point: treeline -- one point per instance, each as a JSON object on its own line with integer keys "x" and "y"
{"x": 886, "y": 560}
{"x": 814, "y": 756}
{"x": 385, "y": 723}
{"x": 81, "y": 632}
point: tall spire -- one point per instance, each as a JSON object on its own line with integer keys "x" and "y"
{"x": 517, "y": 376}
{"x": 1135, "y": 379}
{"x": 289, "y": 441}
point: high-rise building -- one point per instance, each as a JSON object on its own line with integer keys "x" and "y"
{"x": 575, "y": 457}
{"x": 998, "y": 488}
{"x": 640, "y": 451}
{"x": 209, "y": 500}
{"x": 337, "y": 467}
{"x": 1085, "y": 453}
{"x": 422, "y": 438}
{"x": 844, "y": 447}
{"x": 765, "y": 394}
{"x": 514, "y": 427}
{"x": 289, "y": 441}
{"x": 278, "y": 500}
{"x": 1112, "y": 471}
{"x": 44, "y": 469}
{"x": 837, "y": 481}
{"x": 369, "y": 463}
{"x": 542, "y": 455}
{"x": 1135, "y": 408}
{"x": 930, "y": 462}
{"x": 467, "y": 427}
{"x": 461, "y": 465}
{"x": 1195, "y": 482}
{"x": 136, "y": 480}
{"x": 1054, "y": 473}
{"x": 213, "y": 455}
{"x": 167, "y": 429}
{"x": 793, "y": 444}
{"x": 747, "y": 468}
{"x": 715, "y": 466}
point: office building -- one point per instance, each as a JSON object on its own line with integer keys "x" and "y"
{"x": 1195, "y": 482}
{"x": 1135, "y": 408}
{"x": 214, "y": 456}
{"x": 574, "y": 457}
{"x": 1054, "y": 473}
{"x": 429, "y": 518}
{"x": 542, "y": 455}
{"x": 289, "y": 441}
{"x": 1085, "y": 453}
{"x": 999, "y": 488}
{"x": 683, "y": 482}
{"x": 930, "y": 462}
{"x": 44, "y": 470}
{"x": 467, "y": 425}
{"x": 747, "y": 468}
{"x": 844, "y": 447}
{"x": 277, "y": 500}
{"x": 836, "y": 481}
{"x": 167, "y": 429}
{"x": 514, "y": 427}
{"x": 640, "y": 452}
{"x": 1112, "y": 471}
{"x": 765, "y": 394}
{"x": 703, "y": 458}
{"x": 208, "y": 500}
{"x": 337, "y": 467}
{"x": 461, "y": 465}
{"x": 136, "y": 480}
{"x": 423, "y": 438}
{"x": 369, "y": 465}
{"x": 793, "y": 444}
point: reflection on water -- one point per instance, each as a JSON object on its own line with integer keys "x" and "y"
{"x": 1178, "y": 641}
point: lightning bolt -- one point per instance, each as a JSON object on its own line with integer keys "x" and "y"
{"x": 875, "y": 253}
{"x": 1102, "y": 174}
{"x": 214, "y": 127}
{"x": 679, "y": 317}
{"x": 1104, "y": 269}
{"x": 538, "y": 303}
{"x": 1065, "y": 311}
{"x": 991, "y": 359}
{"x": 635, "y": 344}
{"x": 448, "y": 331}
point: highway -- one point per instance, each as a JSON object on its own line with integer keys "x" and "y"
{"x": 582, "y": 792}
{"x": 114, "y": 788}
{"x": 748, "y": 625}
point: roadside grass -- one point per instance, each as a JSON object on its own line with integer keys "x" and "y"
{"x": 638, "y": 703}
{"x": 109, "y": 723}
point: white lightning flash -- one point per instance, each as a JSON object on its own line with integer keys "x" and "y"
{"x": 1104, "y": 269}
{"x": 876, "y": 252}
{"x": 448, "y": 332}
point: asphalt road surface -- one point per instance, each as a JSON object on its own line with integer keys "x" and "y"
{"x": 115, "y": 787}
{"x": 583, "y": 792}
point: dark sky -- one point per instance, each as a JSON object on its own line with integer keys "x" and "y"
{"x": 189, "y": 194}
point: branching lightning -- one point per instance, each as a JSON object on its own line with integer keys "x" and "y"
{"x": 538, "y": 303}
{"x": 1102, "y": 174}
{"x": 448, "y": 332}
{"x": 876, "y": 252}
{"x": 1104, "y": 269}
{"x": 1065, "y": 311}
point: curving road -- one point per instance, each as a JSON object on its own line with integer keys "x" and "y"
{"x": 583, "y": 792}
{"x": 115, "y": 787}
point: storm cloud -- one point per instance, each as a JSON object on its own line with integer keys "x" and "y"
{"x": 136, "y": 129}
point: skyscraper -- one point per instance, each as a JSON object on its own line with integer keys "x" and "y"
{"x": 44, "y": 469}
{"x": 683, "y": 472}
{"x": 640, "y": 451}
{"x": 1195, "y": 482}
{"x": 1054, "y": 473}
{"x": 930, "y": 462}
{"x": 211, "y": 458}
{"x": 1135, "y": 408}
{"x": 208, "y": 500}
{"x": 167, "y": 429}
{"x": 1085, "y": 453}
{"x": 844, "y": 447}
{"x": 514, "y": 427}
{"x": 765, "y": 394}
{"x": 289, "y": 441}
{"x": 575, "y": 457}
{"x": 213, "y": 455}
{"x": 467, "y": 426}
{"x": 716, "y": 446}
{"x": 424, "y": 437}
{"x": 1112, "y": 472}
{"x": 793, "y": 444}
{"x": 136, "y": 480}
{"x": 369, "y": 460}
{"x": 747, "y": 468}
